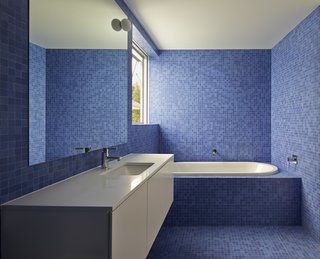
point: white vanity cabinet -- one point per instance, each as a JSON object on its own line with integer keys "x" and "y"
{"x": 95, "y": 215}
{"x": 129, "y": 227}
{"x": 137, "y": 221}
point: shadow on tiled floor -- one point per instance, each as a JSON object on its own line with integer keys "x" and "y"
{"x": 235, "y": 242}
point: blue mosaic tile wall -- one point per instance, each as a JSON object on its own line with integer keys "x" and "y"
{"x": 143, "y": 139}
{"x": 212, "y": 99}
{"x": 16, "y": 176}
{"x": 37, "y": 104}
{"x": 296, "y": 111}
{"x": 235, "y": 201}
{"x": 85, "y": 104}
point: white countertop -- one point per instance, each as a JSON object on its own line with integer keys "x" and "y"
{"x": 96, "y": 187}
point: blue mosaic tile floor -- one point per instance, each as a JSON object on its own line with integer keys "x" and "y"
{"x": 235, "y": 242}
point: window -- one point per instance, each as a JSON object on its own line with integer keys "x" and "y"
{"x": 139, "y": 85}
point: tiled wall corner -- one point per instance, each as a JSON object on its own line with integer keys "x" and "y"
{"x": 295, "y": 116}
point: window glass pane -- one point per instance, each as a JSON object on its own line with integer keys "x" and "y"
{"x": 139, "y": 85}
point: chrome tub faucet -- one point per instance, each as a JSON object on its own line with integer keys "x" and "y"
{"x": 293, "y": 160}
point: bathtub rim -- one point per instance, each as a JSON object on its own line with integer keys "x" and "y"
{"x": 211, "y": 173}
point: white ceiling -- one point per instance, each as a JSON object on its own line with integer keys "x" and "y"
{"x": 220, "y": 24}
{"x": 77, "y": 24}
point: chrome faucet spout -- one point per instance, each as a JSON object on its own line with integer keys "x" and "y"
{"x": 106, "y": 158}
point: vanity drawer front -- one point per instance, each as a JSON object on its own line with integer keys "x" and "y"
{"x": 129, "y": 227}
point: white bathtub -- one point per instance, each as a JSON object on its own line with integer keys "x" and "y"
{"x": 223, "y": 168}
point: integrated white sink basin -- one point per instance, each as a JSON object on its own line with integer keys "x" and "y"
{"x": 132, "y": 168}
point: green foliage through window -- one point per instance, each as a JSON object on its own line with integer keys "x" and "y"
{"x": 136, "y": 107}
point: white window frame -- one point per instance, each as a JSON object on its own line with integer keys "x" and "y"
{"x": 139, "y": 54}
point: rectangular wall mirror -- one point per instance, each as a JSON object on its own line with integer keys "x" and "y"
{"x": 78, "y": 78}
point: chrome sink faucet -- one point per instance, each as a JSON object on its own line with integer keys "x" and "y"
{"x": 106, "y": 158}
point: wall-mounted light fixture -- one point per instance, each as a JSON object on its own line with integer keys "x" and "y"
{"x": 124, "y": 24}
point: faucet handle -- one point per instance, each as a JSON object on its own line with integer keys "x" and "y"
{"x": 109, "y": 148}
{"x": 84, "y": 149}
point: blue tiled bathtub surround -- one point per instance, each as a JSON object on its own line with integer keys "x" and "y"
{"x": 214, "y": 201}
{"x": 16, "y": 177}
{"x": 206, "y": 99}
{"x": 296, "y": 111}
{"x": 37, "y": 104}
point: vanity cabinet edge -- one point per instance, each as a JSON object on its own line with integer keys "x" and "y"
{"x": 160, "y": 199}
